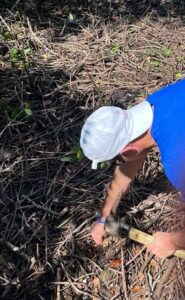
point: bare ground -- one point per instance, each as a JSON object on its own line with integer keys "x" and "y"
{"x": 69, "y": 60}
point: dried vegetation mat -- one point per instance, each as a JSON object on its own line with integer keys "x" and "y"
{"x": 58, "y": 62}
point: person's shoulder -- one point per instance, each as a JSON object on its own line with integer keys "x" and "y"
{"x": 174, "y": 88}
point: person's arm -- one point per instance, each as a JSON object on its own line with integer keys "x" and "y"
{"x": 118, "y": 186}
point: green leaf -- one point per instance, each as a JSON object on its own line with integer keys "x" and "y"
{"x": 79, "y": 154}
{"x": 5, "y": 35}
{"x": 67, "y": 159}
{"x": 28, "y": 111}
{"x": 14, "y": 52}
{"x": 71, "y": 18}
{"x": 156, "y": 63}
{"x": 166, "y": 52}
{"x": 74, "y": 155}
{"x": 27, "y": 51}
{"x": 16, "y": 113}
{"x": 115, "y": 48}
{"x": 75, "y": 150}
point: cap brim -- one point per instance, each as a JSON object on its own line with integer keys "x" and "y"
{"x": 142, "y": 115}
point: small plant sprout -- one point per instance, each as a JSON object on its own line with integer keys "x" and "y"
{"x": 71, "y": 18}
{"x": 75, "y": 154}
{"x": 5, "y": 35}
{"x": 155, "y": 63}
{"x": 20, "y": 57}
{"x": 20, "y": 113}
{"x": 115, "y": 48}
{"x": 166, "y": 52}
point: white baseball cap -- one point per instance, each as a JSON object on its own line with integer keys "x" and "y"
{"x": 109, "y": 129}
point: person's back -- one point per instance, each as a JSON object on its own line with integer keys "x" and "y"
{"x": 168, "y": 130}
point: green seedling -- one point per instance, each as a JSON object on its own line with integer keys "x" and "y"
{"x": 28, "y": 110}
{"x": 166, "y": 52}
{"x": 71, "y": 18}
{"x": 5, "y": 35}
{"x": 27, "y": 51}
{"x": 19, "y": 54}
{"x": 20, "y": 58}
{"x": 14, "y": 52}
{"x": 156, "y": 63}
{"x": 75, "y": 154}
{"x": 17, "y": 113}
{"x": 115, "y": 48}
{"x": 67, "y": 158}
{"x": 20, "y": 113}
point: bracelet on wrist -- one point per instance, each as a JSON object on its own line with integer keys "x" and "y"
{"x": 101, "y": 221}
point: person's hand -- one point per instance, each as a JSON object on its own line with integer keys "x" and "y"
{"x": 163, "y": 244}
{"x": 98, "y": 232}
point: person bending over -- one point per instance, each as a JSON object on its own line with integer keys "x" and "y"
{"x": 157, "y": 121}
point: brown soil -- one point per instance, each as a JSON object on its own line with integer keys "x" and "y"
{"x": 81, "y": 56}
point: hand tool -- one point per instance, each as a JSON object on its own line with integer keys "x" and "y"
{"x": 120, "y": 228}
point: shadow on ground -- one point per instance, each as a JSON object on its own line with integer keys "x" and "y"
{"x": 47, "y": 204}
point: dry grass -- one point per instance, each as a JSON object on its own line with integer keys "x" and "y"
{"x": 111, "y": 53}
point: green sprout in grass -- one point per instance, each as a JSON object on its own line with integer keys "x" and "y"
{"x": 155, "y": 63}
{"x": 166, "y": 52}
{"x": 19, "y": 54}
{"x": 5, "y": 35}
{"x": 115, "y": 48}
{"x": 152, "y": 58}
{"x": 24, "y": 112}
{"x": 75, "y": 154}
{"x": 19, "y": 58}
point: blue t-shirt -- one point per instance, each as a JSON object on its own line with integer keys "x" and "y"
{"x": 168, "y": 130}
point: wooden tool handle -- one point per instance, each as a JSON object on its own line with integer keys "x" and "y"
{"x": 145, "y": 238}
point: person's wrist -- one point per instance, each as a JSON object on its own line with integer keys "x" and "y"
{"x": 176, "y": 240}
{"x": 101, "y": 220}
